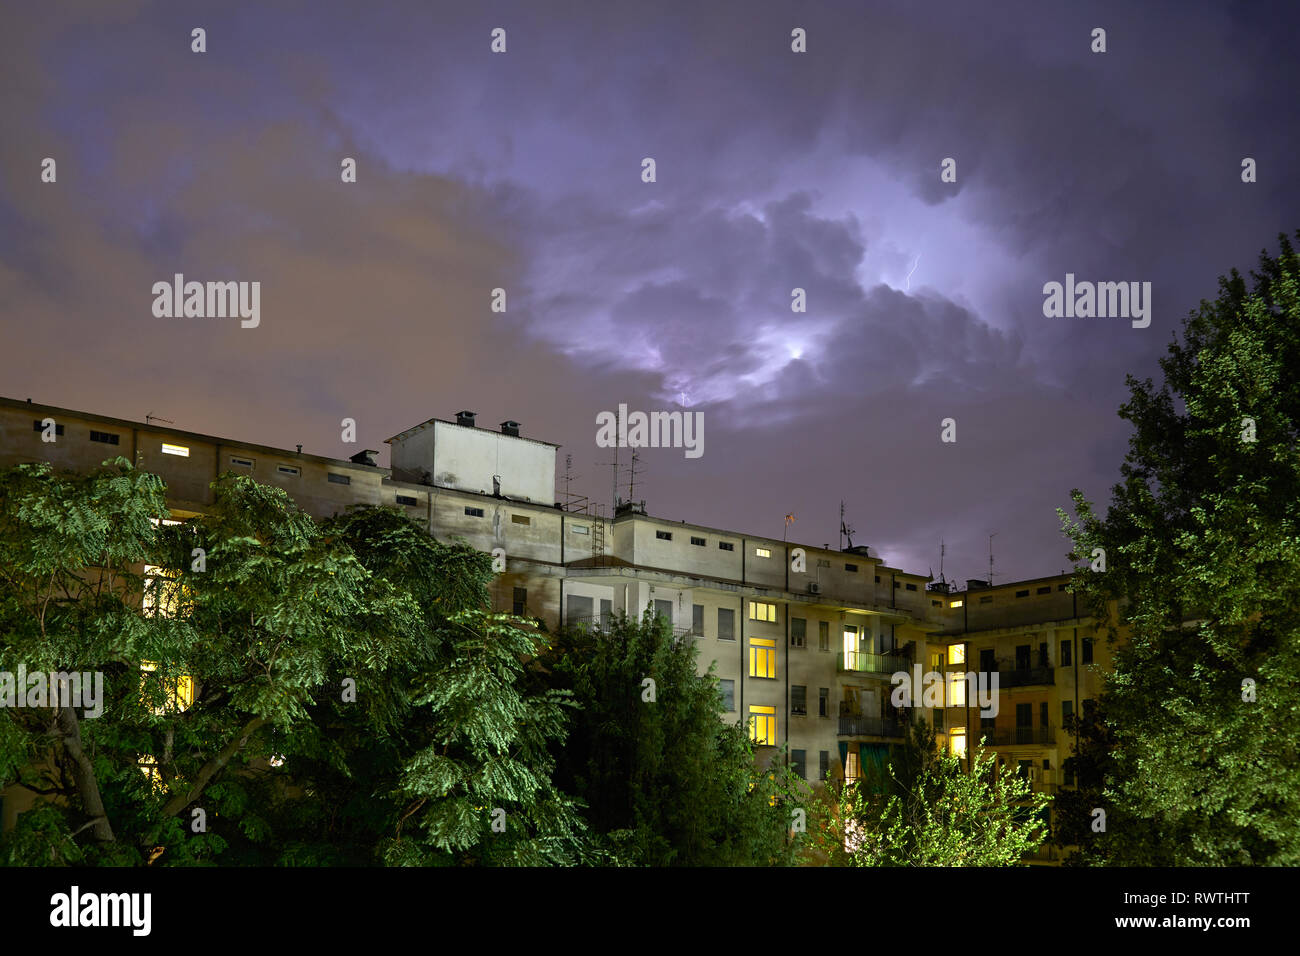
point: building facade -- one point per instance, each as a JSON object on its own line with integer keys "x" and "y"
{"x": 805, "y": 641}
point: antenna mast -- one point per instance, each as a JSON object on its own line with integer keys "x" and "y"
{"x": 991, "y": 537}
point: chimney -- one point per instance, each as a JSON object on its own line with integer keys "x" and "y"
{"x": 510, "y": 428}
{"x": 366, "y": 457}
{"x": 465, "y": 418}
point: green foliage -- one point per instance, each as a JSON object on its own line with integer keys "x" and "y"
{"x": 1202, "y": 543}
{"x": 942, "y": 815}
{"x": 666, "y": 782}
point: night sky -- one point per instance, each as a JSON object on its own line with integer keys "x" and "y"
{"x": 774, "y": 170}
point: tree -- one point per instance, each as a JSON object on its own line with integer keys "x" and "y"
{"x": 1090, "y": 765}
{"x": 666, "y": 781}
{"x": 944, "y": 815}
{"x": 1201, "y": 545}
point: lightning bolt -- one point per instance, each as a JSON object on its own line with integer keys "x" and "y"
{"x": 908, "y": 287}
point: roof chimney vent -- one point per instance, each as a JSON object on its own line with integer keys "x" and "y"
{"x": 366, "y": 457}
{"x": 510, "y": 428}
{"x": 465, "y": 418}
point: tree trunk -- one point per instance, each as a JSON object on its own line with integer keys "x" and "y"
{"x": 83, "y": 772}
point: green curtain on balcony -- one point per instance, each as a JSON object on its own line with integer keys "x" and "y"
{"x": 844, "y": 757}
{"x": 874, "y": 761}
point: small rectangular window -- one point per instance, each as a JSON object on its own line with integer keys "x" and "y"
{"x": 180, "y": 451}
{"x": 799, "y": 699}
{"x": 726, "y": 546}
{"x": 337, "y": 479}
{"x": 823, "y": 635}
{"x": 763, "y": 552}
{"x": 1085, "y": 651}
{"x": 910, "y": 587}
{"x": 1045, "y": 590}
{"x": 241, "y": 462}
{"x": 108, "y": 438}
{"x": 473, "y": 512}
{"x": 1065, "y": 653}
{"x": 762, "y": 725}
{"x": 1060, "y": 587}
{"x": 697, "y": 620}
{"x": 726, "y": 624}
{"x": 762, "y": 611}
{"x": 987, "y": 599}
{"x": 519, "y": 603}
{"x": 1024, "y": 593}
{"x": 728, "y": 689}
{"x": 407, "y": 500}
{"x": 798, "y": 631}
{"x": 799, "y": 762}
{"x": 577, "y": 528}
{"x": 850, "y": 567}
{"x": 1067, "y": 711}
{"x": 956, "y": 604}
{"x": 698, "y": 542}
{"x": 288, "y": 469}
{"x": 823, "y": 765}
{"x": 520, "y": 519}
{"x": 877, "y": 578}
{"x": 823, "y": 701}
{"x": 664, "y": 535}
{"x": 38, "y": 427}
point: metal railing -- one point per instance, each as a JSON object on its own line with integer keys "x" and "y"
{"x": 857, "y": 726}
{"x": 1002, "y": 737}
{"x": 861, "y": 662}
{"x": 1026, "y": 676}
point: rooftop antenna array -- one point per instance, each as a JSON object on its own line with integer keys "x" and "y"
{"x": 846, "y": 530}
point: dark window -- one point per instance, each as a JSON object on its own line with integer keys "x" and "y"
{"x": 697, "y": 619}
{"x": 823, "y": 635}
{"x": 1065, "y": 654}
{"x": 911, "y": 587}
{"x": 988, "y": 661}
{"x": 1042, "y": 713}
{"x": 936, "y": 604}
{"x": 877, "y": 578}
{"x": 520, "y": 605}
{"x": 938, "y": 719}
{"x": 242, "y": 462}
{"x": 606, "y": 613}
{"x": 338, "y": 479}
{"x": 726, "y": 546}
{"x": 1045, "y": 590}
{"x": 1022, "y": 768}
{"x": 664, "y": 609}
{"x": 406, "y": 500}
{"x": 1067, "y": 710}
{"x": 799, "y": 763}
{"x": 1047, "y": 764}
{"x": 698, "y": 542}
{"x": 850, "y": 567}
{"x": 897, "y": 585}
{"x": 987, "y": 724}
{"x": 1024, "y": 593}
{"x": 728, "y": 690}
{"x": 823, "y": 765}
{"x": 580, "y": 609}
{"x": 726, "y": 624}
{"x": 108, "y": 438}
{"x": 38, "y": 427}
{"x": 798, "y": 699}
{"x": 987, "y": 599}
{"x": 292, "y": 470}
{"x": 1022, "y": 657}
{"x": 1085, "y": 652}
{"x": 664, "y": 535}
{"x": 1089, "y": 705}
{"x": 1042, "y": 654}
{"x": 474, "y": 512}
{"x": 1024, "y": 715}
{"x": 1060, "y": 587}
{"x": 823, "y": 701}
{"x": 798, "y": 631}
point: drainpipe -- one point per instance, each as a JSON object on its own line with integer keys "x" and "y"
{"x": 787, "y": 669}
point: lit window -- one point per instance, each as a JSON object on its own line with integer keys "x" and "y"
{"x": 762, "y": 611}
{"x": 178, "y": 691}
{"x": 957, "y": 604}
{"x": 957, "y": 741}
{"x": 149, "y": 767}
{"x": 520, "y": 519}
{"x": 762, "y": 725}
{"x": 762, "y": 657}
{"x": 852, "y": 766}
{"x": 162, "y": 592}
{"x": 763, "y": 552}
{"x": 957, "y": 654}
{"x": 956, "y": 690}
{"x": 181, "y": 451}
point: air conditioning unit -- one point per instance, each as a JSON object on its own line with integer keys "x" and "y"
{"x": 814, "y": 587}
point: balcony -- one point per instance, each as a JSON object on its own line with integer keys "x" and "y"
{"x": 860, "y": 662}
{"x": 1006, "y": 737}
{"x": 1026, "y": 677}
{"x": 852, "y": 725}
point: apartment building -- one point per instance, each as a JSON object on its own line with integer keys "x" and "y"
{"x": 804, "y": 640}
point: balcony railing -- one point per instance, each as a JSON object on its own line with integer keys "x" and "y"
{"x": 857, "y": 726}
{"x": 1026, "y": 676}
{"x": 860, "y": 662}
{"x": 1003, "y": 737}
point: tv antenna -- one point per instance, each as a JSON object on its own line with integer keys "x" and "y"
{"x": 151, "y": 418}
{"x": 846, "y": 530}
{"x": 991, "y": 537}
